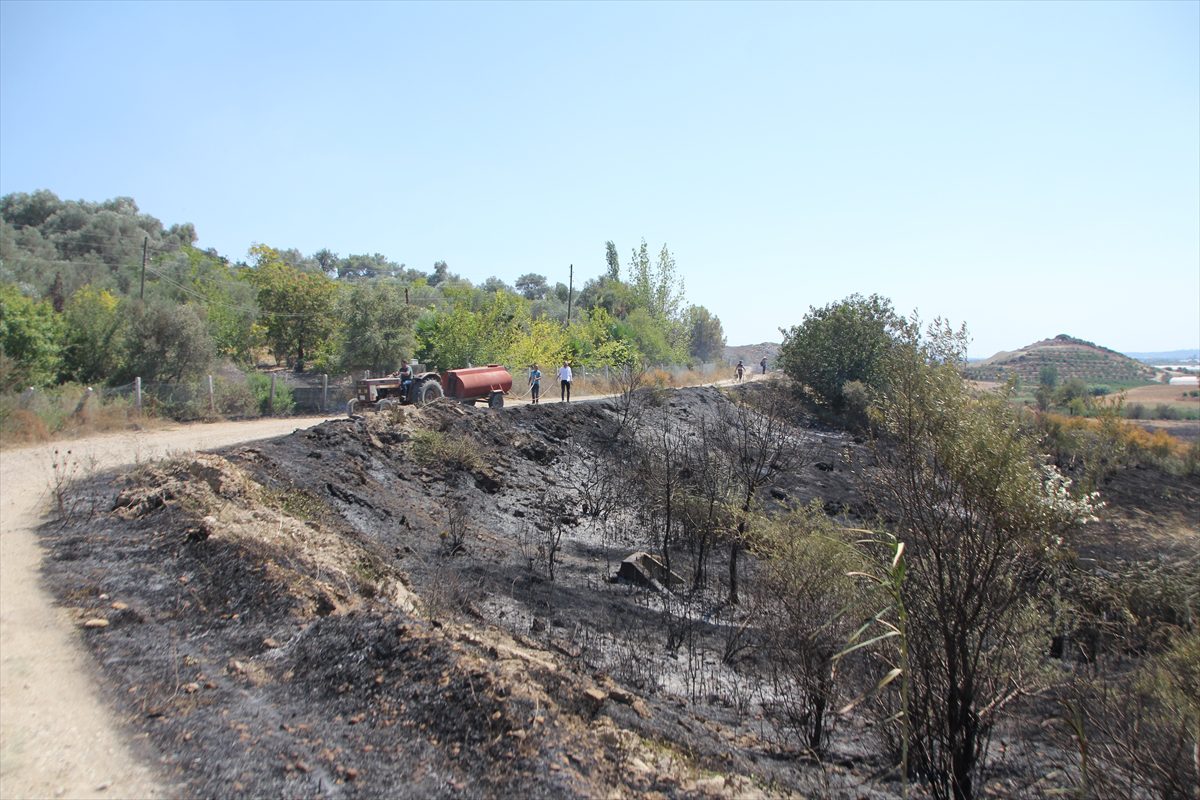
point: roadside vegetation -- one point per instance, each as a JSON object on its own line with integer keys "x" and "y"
{"x": 99, "y": 294}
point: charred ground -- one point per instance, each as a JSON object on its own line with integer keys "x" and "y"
{"x": 365, "y": 608}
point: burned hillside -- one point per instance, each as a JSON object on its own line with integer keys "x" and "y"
{"x": 461, "y": 602}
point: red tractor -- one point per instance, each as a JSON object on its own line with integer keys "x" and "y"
{"x": 465, "y": 385}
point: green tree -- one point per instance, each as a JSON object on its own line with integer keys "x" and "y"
{"x": 613, "y": 296}
{"x": 451, "y": 338}
{"x": 844, "y": 341}
{"x": 166, "y": 342}
{"x": 93, "y": 338}
{"x": 532, "y": 286}
{"x": 441, "y": 273}
{"x": 29, "y": 340}
{"x": 230, "y": 300}
{"x": 649, "y": 338}
{"x": 980, "y": 514}
{"x": 706, "y": 341}
{"x": 378, "y": 328}
{"x": 544, "y": 342}
{"x": 613, "y": 271}
{"x": 297, "y": 306}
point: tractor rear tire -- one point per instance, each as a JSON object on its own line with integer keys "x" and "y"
{"x": 428, "y": 392}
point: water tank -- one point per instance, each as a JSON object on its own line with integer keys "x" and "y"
{"x": 476, "y": 382}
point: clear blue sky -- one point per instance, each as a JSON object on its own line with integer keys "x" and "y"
{"x": 1027, "y": 168}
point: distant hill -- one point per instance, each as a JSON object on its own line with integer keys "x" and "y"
{"x": 751, "y": 354}
{"x": 1071, "y": 357}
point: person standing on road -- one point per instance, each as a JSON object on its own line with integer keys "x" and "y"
{"x": 763, "y": 364}
{"x": 535, "y": 384}
{"x": 739, "y": 370}
{"x": 564, "y": 382}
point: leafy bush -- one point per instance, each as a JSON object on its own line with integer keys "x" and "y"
{"x": 29, "y": 340}
{"x": 842, "y": 342}
{"x": 811, "y": 605}
{"x": 260, "y": 387}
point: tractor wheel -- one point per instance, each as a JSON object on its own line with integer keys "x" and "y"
{"x": 428, "y": 392}
{"x": 388, "y": 403}
{"x": 351, "y": 407}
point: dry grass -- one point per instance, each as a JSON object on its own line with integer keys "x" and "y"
{"x": 1154, "y": 394}
{"x": 62, "y": 413}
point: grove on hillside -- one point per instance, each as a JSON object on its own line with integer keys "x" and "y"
{"x": 100, "y": 292}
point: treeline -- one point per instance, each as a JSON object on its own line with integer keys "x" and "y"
{"x": 100, "y": 292}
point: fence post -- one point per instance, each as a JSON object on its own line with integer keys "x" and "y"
{"x": 212, "y": 400}
{"x": 271, "y": 398}
{"x": 324, "y": 393}
{"x": 137, "y": 394}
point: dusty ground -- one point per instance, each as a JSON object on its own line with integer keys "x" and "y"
{"x": 291, "y": 618}
{"x": 56, "y": 737}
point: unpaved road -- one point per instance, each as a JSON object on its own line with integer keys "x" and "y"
{"x": 57, "y": 738}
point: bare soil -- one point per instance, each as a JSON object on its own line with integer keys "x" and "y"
{"x": 295, "y": 617}
{"x": 57, "y": 737}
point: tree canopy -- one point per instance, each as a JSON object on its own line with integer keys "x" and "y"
{"x": 75, "y": 308}
{"x": 839, "y": 343}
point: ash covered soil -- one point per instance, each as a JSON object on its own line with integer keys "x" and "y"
{"x": 365, "y": 608}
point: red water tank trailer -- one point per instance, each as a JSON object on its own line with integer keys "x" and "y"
{"x": 478, "y": 383}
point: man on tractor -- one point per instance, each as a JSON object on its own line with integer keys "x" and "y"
{"x": 405, "y": 376}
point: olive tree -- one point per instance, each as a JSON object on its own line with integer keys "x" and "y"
{"x": 378, "y": 327}
{"x": 166, "y": 342}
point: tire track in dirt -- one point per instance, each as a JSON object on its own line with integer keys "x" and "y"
{"x": 58, "y": 738}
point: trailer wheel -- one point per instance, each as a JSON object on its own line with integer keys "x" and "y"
{"x": 496, "y": 400}
{"x": 428, "y": 392}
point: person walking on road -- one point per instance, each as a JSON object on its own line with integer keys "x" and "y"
{"x": 535, "y": 384}
{"x": 739, "y": 370}
{"x": 564, "y": 382}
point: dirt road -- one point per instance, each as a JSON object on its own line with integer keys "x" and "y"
{"x": 57, "y": 738}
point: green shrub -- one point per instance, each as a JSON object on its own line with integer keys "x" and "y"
{"x": 260, "y": 386}
{"x": 856, "y": 397}
{"x": 451, "y": 451}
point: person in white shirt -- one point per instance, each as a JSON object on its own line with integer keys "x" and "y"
{"x": 564, "y": 382}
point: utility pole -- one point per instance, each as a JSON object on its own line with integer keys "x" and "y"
{"x": 145, "y": 244}
{"x": 570, "y": 291}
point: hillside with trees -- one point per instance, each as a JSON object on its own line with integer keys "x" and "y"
{"x": 1069, "y": 359}
{"x": 97, "y": 293}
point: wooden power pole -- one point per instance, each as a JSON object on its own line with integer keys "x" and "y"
{"x": 570, "y": 291}
{"x": 142, "y": 291}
